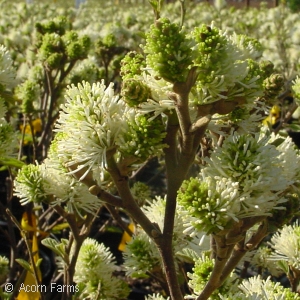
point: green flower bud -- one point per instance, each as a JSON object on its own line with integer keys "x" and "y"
{"x": 254, "y": 70}
{"x": 208, "y": 202}
{"x": 140, "y": 192}
{"x": 209, "y": 49}
{"x": 74, "y": 51}
{"x": 168, "y": 51}
{"x": 28, "y": 92}
{"x": 267, "y": 68}
{"x": 51, "y": 43}
{"x": 135, "y": 92}
{"x": 141, "y": 256}
{"x": 70, "y": 36}
{"x": 132, "y": 64}
{"x": 238, "y": 114}
{"x": 273, "y": 85}
{"x": 144, "y": 137}
{"x": 201, "y": 272}
{"x": 109, "y": 40}
{"x": 48, "y": 27}
{"x": 58, "y": 25}
{"x": 76, "y": 48}
{"x": 54, "y": 61}
{"x": 85, "y": 43}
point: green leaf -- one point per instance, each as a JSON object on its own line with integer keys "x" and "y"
{"x": 283, "y": 265}
{"x": 38, "y": 263}
{"x": 56, "y": 247}
{"x": 188, "y": 255}
{"x": 11, "y": 162}
{"x": 60, "y": 227}
{"x": 25, "y": 264}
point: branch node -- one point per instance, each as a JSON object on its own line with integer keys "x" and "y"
{"x": 95, "y": 190}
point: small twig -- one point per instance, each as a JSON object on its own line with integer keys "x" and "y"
{"x": 182, "y": 12}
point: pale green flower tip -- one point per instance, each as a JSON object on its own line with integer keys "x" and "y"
{"x": 29, "y": 185}
{"x": 168, "y": 51}
{"x": 141, "y": 192}
{"x": 140, "y": 256}
{"x": 4, "y": 268}
{"x": 212, "y": 204}
{"x": 202, "y": 271}
{"x": 94, "y": 272}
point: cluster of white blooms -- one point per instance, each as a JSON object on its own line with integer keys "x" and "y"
{"x": 67, "y": 190}
{"x": 29, "y": 185}
{"x": 50, "y": 182}
{"x": 141, "y": 255}
{"x": 260, "y": 259}
{"x": 256, "y": 176}
{"x": 91, "y": 120}
{"x": 258, "y": 288}
{"x": 94, "y": 273}
{"x": 286, "y": 246}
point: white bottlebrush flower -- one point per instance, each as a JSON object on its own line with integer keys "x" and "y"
{"x": 259, "y": 258}
{"x": 155, "y": 211}
{"x": 92, "y": 121}
{"x": 249, "y": 160}
{"x": 94, "y": 273}
{"x": 29, "y": 185}
{"x": 160, "y": 90}
{"x": 243, "y": 178}
{"x": 250, "y": 47}
{"x": 288, "y": 156}
{"x": 141, "y": 255}
{"x": 258, "y": 288}
{"x": 67, "y": 190}
{"x": 286, "y": 245}
{"x": 210, "y": 203}
{"x": 7, "y": 71}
